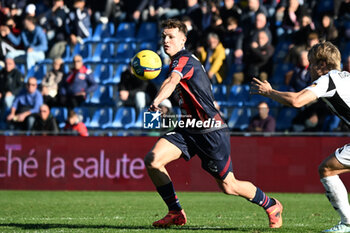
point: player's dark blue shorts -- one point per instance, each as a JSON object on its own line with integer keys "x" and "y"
{"x": 213, "y": 148}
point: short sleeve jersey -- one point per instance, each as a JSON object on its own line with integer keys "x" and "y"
{"x": 334, "y": 89}
{"x": 194, "y": 93}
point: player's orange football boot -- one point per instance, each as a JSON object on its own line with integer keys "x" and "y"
{"x": 275, "y": 215}
{"x": 174, "y": 217}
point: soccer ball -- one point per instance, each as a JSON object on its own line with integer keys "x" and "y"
{"x": 146, "y": 65}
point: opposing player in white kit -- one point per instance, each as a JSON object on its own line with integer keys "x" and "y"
{"x": 333, "y": 86}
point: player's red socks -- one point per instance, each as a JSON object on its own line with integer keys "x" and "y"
{"x": 167, "y": 192}
{"x": 262, "y": 199}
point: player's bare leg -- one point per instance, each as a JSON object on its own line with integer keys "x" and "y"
{"x": 336, "y": 192}
{"x": 161, "y": 154}
{"x": 230, "y": 185}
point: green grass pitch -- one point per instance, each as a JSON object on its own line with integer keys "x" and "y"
{"x": 63, "y": 211}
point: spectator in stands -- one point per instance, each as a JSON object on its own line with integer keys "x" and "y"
{"x": 11, "y": 83}
{"x": 259, "y": 25}
{"x": 193, "y": 10}
{"x": 14, "y": 12}
{"x": 230, "y": 9}
{"x": 306, "y": 27}
{"x": 213, "y": 58}
{"x": 257, "y": 58}
{"x": 45, "y": 122}
{"x": 79, "y": 22}
{"x": 133, "y": 91}
{"x": 233, "y": 40}
{"x": 76, "y": 85}
{"x": 292, "y": 14}
{"x": 116, "y": 13}
{"x": 159, "y": 9}
{"x": 193, "y": 35}
{"x": 6, "y": 45}
{"x": 294, "y": 51}
{"x": 299, "y": 78}
{"x": 249, "y": 14}
{"x": 216, "y": 27}
{"x": 134, "y": 9}
{"x": 25, "y": 105}
{"x": 31, "y": 10}
{"x": 75, "y": 126}
{"x": 34, "y": 42}
{"x": 327, "y": 30}
{"x": 262, "y": 122}
{"x": 51, "y": 82}
{"x": 344, "y": 19}
{"x": 54, "y": 22}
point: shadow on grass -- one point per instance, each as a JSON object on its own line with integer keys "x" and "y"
{"x": 40, "y": 226}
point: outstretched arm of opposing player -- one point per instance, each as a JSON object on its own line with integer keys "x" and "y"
{"x": 166, "y": 90}
{"x": 291, "y": 99}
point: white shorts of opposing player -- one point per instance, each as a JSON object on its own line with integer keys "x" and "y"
{"x": 337, "y": 193}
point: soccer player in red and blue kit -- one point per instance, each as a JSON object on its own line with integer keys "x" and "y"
{"x": 211, "y": 142}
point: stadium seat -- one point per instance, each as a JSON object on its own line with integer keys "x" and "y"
{"x": 285, "y": 117}
{"x": 103, "y": 96}
{"x": 103, "y": 31}
{"x": 254, "y": 100}
{"x": 124, "y": 118}
{"x": 119, "y": 69}
{"x": 330, "y": 123}
{"x": 148, "y": 31}
{"x": 126, "y": 32}
{"x": 84, "y": 112}
{"x": 150, "y": 45}
{"x": 61, "y": 115}
{"x": 103, "y": 73}
{"x": 21, "y": 67}
{"x": 139, "y": 121}
{"x": 220, "y": 93}
{"x": 124, "y": 52}
{"x": 281, "y": 51}
{"x": 103, "y": 52}
{"x": 234, "y": 68}
{"x": 239, "y": 119}
{"x": 39, "y": 70}
{"x": 84, "y": 50}
{"x": 279, "y": 73}
{"x": 101, "y": 117}
{"x": 67, "y": 54}
{"x": 239, "y": 94}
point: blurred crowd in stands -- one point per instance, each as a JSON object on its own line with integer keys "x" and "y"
{"x": 76, "y": 43}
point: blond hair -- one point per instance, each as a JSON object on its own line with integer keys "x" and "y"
{"x": 325, "y": 52}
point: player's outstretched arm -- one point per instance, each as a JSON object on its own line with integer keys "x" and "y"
{"x": 166, "y": 89}
{"x": 291, "y": 99}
